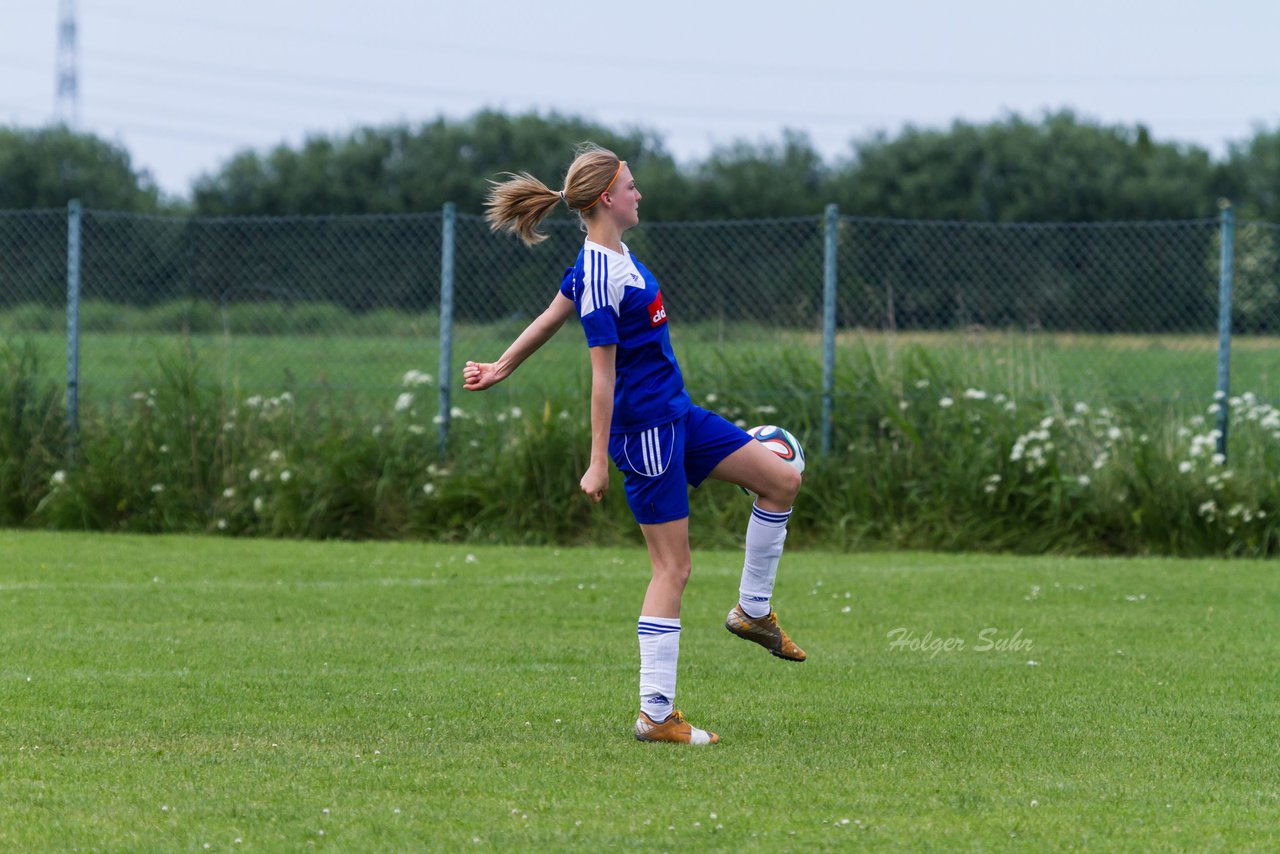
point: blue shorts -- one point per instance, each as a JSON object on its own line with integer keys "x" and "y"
{"x": 657, "y": 463}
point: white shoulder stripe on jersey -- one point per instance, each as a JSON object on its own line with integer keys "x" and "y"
{"x": 600, "y": 288}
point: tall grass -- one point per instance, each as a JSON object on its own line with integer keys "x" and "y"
{"x": 921, "y": 459}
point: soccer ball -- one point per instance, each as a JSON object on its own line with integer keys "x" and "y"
{"x": 782, "y": 442}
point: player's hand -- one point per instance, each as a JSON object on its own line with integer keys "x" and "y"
{"x": 595, "y": 483}
{"x": 478, "y": 376}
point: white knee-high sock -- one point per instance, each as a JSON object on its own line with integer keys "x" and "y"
{"x": 659, "y": 652}
{"x": 766, "y": 533}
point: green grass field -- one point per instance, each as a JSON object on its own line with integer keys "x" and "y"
{"x": 176, "y": 693}
{"x": 1177, "y": 370}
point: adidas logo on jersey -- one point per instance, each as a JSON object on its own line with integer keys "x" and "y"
{"x": 657, "y": 314}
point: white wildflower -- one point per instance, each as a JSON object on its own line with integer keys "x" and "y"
{"x": 228, "y": 493}
{"x": 275, "y": 456}
{"x": 404, "y": 401}
{"x": 59, "y": 478}
{"x": 1081, "y": 408}
{"x": 416, "y": 378}
{"x": 428, "y": 488}
{"x": 254, "y": 402}
{"x": 157, "y": 488}
{"x": 1184, "y": 467}
{"x": 1114, "y": 434}
{"x": 285, "y": 476}
{"x": 417, "y": 429}
{"x": 946, "y": 402}
{"x": 975, "y": 394}
{"x": 258, "y": 504}
{"x": 712, "y": 397}
{"x": 222, "y": 524}
{"x": 517, "y": 412}
{"x": 1219, "y": 459}
{"x": 254, "y": 474}
{"x": 457, "y": 412}
{"x": 1083, "y": 480}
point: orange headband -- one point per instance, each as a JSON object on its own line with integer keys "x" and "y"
{"x": 616, "y": 173}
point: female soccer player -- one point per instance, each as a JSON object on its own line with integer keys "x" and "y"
{"x": 642, "y": 418}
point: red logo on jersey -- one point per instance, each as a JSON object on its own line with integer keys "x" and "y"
{"x": 657, "y": 314}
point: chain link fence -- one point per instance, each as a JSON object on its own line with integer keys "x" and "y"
{"x": 348, "y": 304}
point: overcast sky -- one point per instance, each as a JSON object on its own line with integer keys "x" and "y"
{"x": 185, "y": 85}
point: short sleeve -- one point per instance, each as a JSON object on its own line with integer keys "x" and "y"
{"x": 601, "y": 327}
{"x": 571, "y": 283}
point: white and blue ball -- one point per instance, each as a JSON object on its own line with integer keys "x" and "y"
{"x": 782, "y": 442}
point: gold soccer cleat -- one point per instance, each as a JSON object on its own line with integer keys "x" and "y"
{"x": 764, "y": 631}
{"x": 675, "y": 729}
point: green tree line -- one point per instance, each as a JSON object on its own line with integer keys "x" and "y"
{"x": 1055, "y": 168}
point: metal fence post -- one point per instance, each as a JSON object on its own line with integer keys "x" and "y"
{"x": 446, "y": 320}
{"x": 829, "y": 325}
{"x": 73, "y": 327}
{"x": 1228, "y": 231}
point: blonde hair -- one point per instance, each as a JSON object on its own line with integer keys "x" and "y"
{"x": 521, "y": 202}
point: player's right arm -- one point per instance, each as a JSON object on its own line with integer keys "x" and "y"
{"x": 477, "y": 376}
{"x": 595, "y": 482}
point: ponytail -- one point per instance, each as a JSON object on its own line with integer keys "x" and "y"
{"x": 519, "y": 204}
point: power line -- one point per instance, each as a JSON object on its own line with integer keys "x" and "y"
{"x": 736, "y": 70}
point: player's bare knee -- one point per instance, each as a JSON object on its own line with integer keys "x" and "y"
{"x": 784, "y": 486}
{"x": 676, "y": 573}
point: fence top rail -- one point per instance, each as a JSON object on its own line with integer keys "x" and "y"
{"x": 818, "y": 217}
{"x": 17, "y": 212}
{"x": 1028, "y": 226}
{"x": 259, "y": 219}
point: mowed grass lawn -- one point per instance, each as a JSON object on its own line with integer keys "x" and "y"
{"x": 177, "y": 693}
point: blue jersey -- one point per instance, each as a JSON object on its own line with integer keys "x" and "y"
{"x": 619, "y": 303}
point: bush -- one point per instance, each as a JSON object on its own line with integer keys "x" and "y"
{"x": 33, "y": 438}
{"x": 921, "y": 460}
